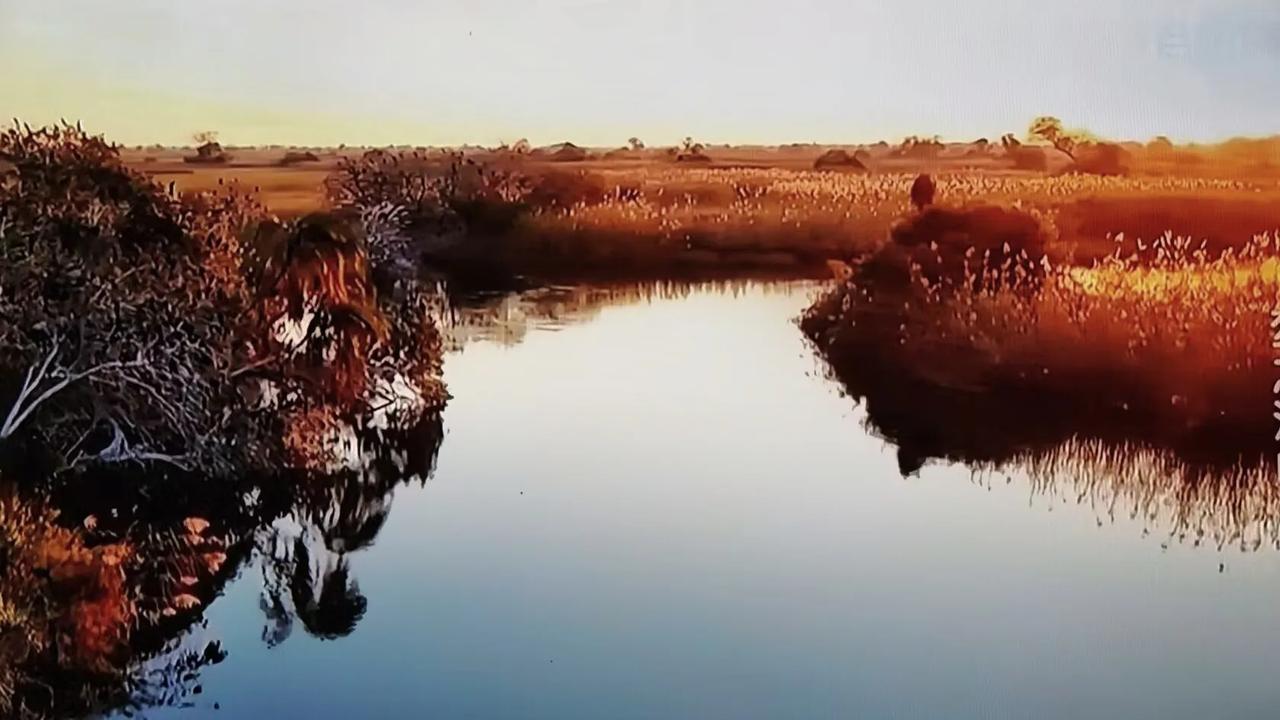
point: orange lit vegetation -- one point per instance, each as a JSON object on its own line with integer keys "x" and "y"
{"x": 641, "y": 212}
{"x": 661, "y": 219}
{"x": 1169, "y": 346}
{"x": 58, "y": 598}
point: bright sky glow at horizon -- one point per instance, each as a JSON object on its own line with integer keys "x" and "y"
{"x": 596, "y": 72}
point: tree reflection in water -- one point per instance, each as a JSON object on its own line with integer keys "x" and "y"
{"x": 306, "y": 570}
{"x": 104, "y": 582}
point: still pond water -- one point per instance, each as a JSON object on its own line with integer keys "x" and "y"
{"x": 654, "y": 504}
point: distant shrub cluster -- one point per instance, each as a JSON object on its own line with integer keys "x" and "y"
{"x": 296, "y": 157}
{"x": 427, "y": 197}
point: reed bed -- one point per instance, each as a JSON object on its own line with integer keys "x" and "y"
{"x": 654, "y": 215}
{"x": 1170, "y": 346}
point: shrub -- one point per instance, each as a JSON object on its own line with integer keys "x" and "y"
{"x": 119, "y": 307}
{"x": 1102, "y": 159}
{"x": 295, "y": 157}
{"x": 340, "y": 352}
{"x": 427, "y": 199}
{"x": 979, "y": 245}
{"x": 567, "y": 152}
{"x": 209, "y": 153}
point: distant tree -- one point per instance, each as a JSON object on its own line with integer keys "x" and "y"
{"x": 522, "y": 147}
{"x": 635, "y": 143}
{"x": 1050, "y": 130}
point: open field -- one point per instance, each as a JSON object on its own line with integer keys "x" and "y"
{"x": 768, "y": 210}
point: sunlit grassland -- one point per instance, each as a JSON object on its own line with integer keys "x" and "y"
{"x": 658, "y": 214}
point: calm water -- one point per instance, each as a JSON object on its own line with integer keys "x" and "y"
{"x": 661, "y": 508}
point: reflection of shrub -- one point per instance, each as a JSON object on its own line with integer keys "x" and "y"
{"x": 87, "y": 624}
{"x": 63, "y": 604}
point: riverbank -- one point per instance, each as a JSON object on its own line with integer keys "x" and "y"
{"x": 1170, "y": 350}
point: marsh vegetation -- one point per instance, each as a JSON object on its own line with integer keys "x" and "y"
{"x": 202, "y": 379}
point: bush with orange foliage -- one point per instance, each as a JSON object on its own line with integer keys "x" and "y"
{"x": 58, "y": 597}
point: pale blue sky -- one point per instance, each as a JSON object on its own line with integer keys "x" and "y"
{"x": 597, "y": 72}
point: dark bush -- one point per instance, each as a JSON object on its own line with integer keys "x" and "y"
{"x": 294, "y": 157}
{"x": 1102, "y": 159}
{"x": 120, "y": 307}
{"x": 427, "y": 199}
{"x": 210, "y": 153}
{"x": 839, "y": 160}
{"x": 977, "y": 247}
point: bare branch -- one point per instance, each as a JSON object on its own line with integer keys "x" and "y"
{"x": 12, "y": 424}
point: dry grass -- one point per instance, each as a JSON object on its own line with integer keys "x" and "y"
{"x": 794, "y": 220}
{"x": 1170, "y": 348}
{"x": 765, "y": 209}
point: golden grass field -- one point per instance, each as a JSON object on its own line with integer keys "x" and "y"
{"x": 768, "y": 209}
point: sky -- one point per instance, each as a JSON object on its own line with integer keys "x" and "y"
{"x": 597, "y": 72}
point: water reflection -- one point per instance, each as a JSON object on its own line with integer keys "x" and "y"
{"x": 104, "y": 582}
{"x": 646, "y": 487}
{"x": 508, "y": 317}
{"x": 305, "y": 555}
{"x": 1235, "y": 506}
{"x": 1193, "y": 483}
